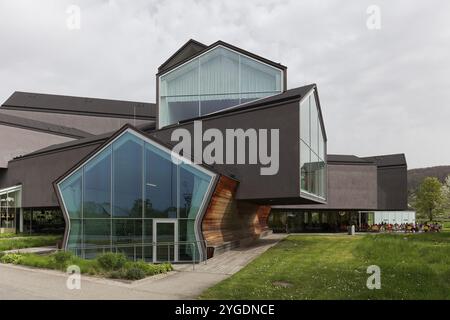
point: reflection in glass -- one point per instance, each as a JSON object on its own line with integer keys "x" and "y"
{"x": 127, "y": 167}
{"x": 97, "y": 186}
{"x": 146, "y": 184}
{"x": 219, "y": 79}
{"x": 71, "y": 193}
{"x": 160, "y": 184}
{"x": 165, "y": 239}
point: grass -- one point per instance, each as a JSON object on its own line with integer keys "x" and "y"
{"x": 20, "y": 242}
{"x": 413, "y": 266}
{"x": 121, "y": 268}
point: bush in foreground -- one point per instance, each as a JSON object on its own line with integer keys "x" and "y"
{"x": 111, "y": 265}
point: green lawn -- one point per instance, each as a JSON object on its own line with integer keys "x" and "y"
{"x": 334, "y": 267}
{"x": 20, "y": 242}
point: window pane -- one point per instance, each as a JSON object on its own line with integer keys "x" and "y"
{"x": 128, "y": 231}
{"x": 315, "y": 172}
{"x": 217, "y": 80}
{"x": 258, "y": 77}
{"x": 219, "y": 72}
{"x": 304, "y": 166}
{"x": 193, "y": 187}
{"x": 321, "y": 144}
{"x": 213, "y": 103}
{"x": 179, "y": 92}
{"x": 314, "y": 125}
{"x": 188, "y": 246}
{"x": 180, "y": 108}
{"x": 304, "y": 122}
{"x": 97, "y": 186}
{"x": 75, "y": 233}
{"x": 148, "y": 239}
{"x": 71, "y": 194}
{"x": 97, "y": 232}
{"x": 128, "y": 176}
{"x": 160, "y": 184}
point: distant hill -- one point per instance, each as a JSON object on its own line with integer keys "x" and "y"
{"x": 415, "y": 176}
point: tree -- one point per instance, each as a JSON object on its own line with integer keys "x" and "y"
{"x": 446, "y": 195}
{"x": 430, "y": 199}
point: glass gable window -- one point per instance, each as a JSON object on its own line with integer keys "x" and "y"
{"x": 218, "y": 79}
{"x": 312, "y": 149}
{"x": 115, "y": 198}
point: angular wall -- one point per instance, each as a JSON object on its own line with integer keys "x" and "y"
{"x": 130, "y": 195}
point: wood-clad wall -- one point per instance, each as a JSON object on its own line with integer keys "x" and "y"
{"x": 227, "y": 220}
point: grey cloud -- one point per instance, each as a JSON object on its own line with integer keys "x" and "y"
{"x": 382, "y": 91}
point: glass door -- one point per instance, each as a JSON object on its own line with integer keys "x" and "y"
{"x": 165, "y": 238}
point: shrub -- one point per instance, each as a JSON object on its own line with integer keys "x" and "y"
{"x": 118, "y": 274}
{"x": 14, "y": 258}
{"x": 62, "y": 258}
{"x": 135, "y": 273}
{"x": 112, "y": 261}
{"x": 167, "y": 267}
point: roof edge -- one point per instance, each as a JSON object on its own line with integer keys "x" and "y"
{"x": 229, "y": 46}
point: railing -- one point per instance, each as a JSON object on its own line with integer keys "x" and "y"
{"x": 138, "y": 251}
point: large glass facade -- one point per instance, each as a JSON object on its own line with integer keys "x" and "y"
{"x": 10, "y": 208}
{"x": 313, "y": 168}
{"x": 219, "y": 79}
{"x": 130, "y": 192}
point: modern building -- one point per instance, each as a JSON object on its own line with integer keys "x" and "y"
{"x": 361, "y": 192}
{"x": 108, "y": 169}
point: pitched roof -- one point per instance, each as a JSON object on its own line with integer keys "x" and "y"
{"x": 80, "y": 105}
{"x": 186, "y": 51}
{"x": 19, "y": 122}
{"x": 93, "y": 139}
{"x": 347, "y": 159}
{"x": 388, "y": 160}
{"x": 181, "y": 57}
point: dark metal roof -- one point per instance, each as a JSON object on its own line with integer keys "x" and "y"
{"x": 347, "y": 159}
{"x": 389, "y": 160}
{"x": 80, "y": 105}
{"x": 164, "y": 68}
{"x": 93, "y": 139}
{"x": 188, "y": 50}
{"x": 19, "y": 122}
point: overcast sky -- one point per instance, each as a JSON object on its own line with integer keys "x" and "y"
{"x": 382, "y": 91}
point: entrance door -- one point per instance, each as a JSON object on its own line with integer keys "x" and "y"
{"x": 165, "y": 238}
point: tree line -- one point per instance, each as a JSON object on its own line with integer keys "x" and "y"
{"x": 431, "y": 200}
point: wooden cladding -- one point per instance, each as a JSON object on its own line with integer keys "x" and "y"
{"x": 228, "y": 220}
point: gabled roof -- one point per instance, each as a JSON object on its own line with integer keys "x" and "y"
{"x": 389, "y": 160}
{"x": 180, "y": 57}
{"x": 188, "y": 50}
{"x": 80, "y": 105}
{"x": 347, "y": 159}
{"x": 19, "y": 122}
{"x": 92, "y": 139}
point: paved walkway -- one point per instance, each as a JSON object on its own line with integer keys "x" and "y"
{"x": 17, "y": 282}
{"x": 36, "y": 250}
